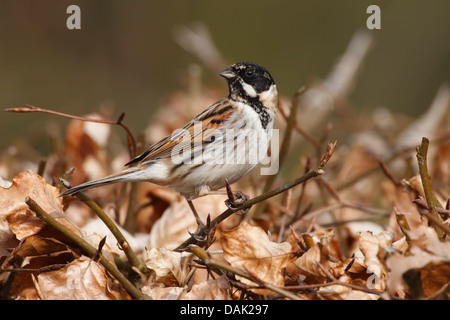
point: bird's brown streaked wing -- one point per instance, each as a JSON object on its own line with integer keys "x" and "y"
{"x": 210, "y": 118}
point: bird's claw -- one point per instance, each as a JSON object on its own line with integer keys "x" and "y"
{"x": 235, "y": 199}
{"x": 199, "y": 238}
{"x": 204, "y": 235}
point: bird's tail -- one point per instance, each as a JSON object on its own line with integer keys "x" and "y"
{"x": 123, "y": 176}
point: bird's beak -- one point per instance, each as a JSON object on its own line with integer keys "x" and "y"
{"x": 228, "y": 73}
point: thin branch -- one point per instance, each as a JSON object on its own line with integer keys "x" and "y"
{"x": 119, "y": 121}
{"x": 423, "y": 205}
{"x": 437, "y": 222}
{"x": 329, "y": 188}
{"x": 121, "y": 240}
{"x": 388, "y": 174}
{"x": 297, "y": 128}
{"x": 288, "y": 133}
{"x": 332, "y": 283}
{"x": 41, "y": 167}
{"x": 86, "y": 247}
{"x": 218, "y": 266}
{"x": 302, "y": 193}
{"x": 133, "y": 207}
{"x": 422, "y": 151}
{"x": 285, "y": 211}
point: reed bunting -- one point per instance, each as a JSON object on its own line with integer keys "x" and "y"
{"x": 220, "y": 145}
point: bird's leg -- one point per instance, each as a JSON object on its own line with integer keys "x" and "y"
{"x": 235, "y": 199}
{"x": 194, "y": 211}
{"x": 202, "y": 234}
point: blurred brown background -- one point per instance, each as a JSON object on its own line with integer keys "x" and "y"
{"x": 125, "y": 54}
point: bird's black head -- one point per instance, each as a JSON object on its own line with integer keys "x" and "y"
{"x": 247, "y": 79}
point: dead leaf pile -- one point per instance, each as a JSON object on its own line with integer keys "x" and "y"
{"x": 362, "y": 230}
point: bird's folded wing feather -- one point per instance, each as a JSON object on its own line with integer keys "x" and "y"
{"x": 211, "y": 119}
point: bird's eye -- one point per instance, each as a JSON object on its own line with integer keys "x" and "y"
{"x": 250, "y": 73}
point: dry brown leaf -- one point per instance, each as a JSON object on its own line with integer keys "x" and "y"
{"x": 157, "y": 291}
{"x": 313, "y": 261}
{"x": 217, "y": 289}
{"x": 15, "y": 211}
{"x": 416, "y": 183}
{"x": 22, "y": 286}
{"x": 426, "y": 238}
{"x": 434, "y": 271}
{"x": 249, "y": 248}
{"x": 401, "y": 245}
{"x": 7, "y": 243}
{"x": 171, "y": 229}
{"x": 373, "y": 248}
{"x": 36, "y": 246}
{"x": 5, "y": 184}
{"x": 402, "y": 200}
{"x": 434, "y": 276}
{"x": 324, "y": 237}
{"x": 295, "y": 241}
{"x": 82, "y": 279}
{"x": 426, "y": 254}
{"x": 341, "y": 292}
{"x": 308, "y": 265}
{"x": 160, "y": 199}
{"x": 167, "y": 265}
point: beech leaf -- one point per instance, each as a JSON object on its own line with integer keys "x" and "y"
{"x": 249, "y": 248}
{"x": 13, "y": 209}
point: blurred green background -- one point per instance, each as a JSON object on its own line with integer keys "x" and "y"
{"x": 126, "y": 54}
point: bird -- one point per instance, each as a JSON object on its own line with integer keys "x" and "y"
{"x": 219, "y": 146}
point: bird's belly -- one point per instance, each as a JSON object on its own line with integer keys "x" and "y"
{"x": 210, "y": 177}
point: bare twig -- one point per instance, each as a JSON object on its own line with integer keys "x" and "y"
{"x": 299, "y": 129}
{"x": 437, "y": 222}
{"x": 219, "y": 267}
{"x": 422, "y": 151}
{"x": 288, "y": 133}
{"x": 422, "y": 204}
{"x": 119, "y": 121}
{"x": 133, "y": 207}
{"x": 388, "y": 174}
{"x": 41, "y": 167}
{"x": 302, "y": 193}
{"x": 329, "y": 188}
{"x": 285, "y": 211}
{"x": 332, "y": 283}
